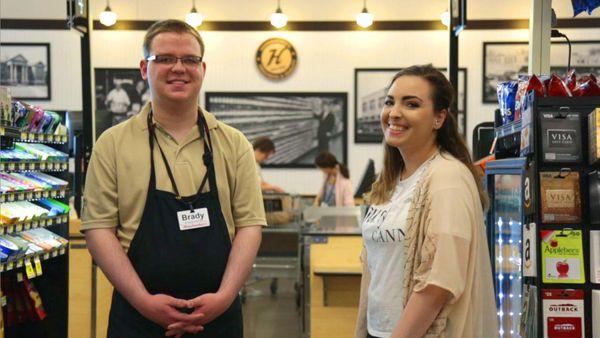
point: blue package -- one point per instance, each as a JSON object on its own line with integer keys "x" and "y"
{"x": 507, "y": 93}
{"x": 580, "y": 6}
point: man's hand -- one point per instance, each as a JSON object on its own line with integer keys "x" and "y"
{"x": 164, "y": 311}
{"x": 208, "y": 305}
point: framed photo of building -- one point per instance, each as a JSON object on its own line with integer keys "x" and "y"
{"x": 120, "y": 94}
{"x": 370, "y": 89}
{"x": 25, "y": 70}
{"x": 504, "y": 61}
{"x": 300, "y": 124}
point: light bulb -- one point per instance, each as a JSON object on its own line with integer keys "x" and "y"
{"x": 108, "y": 17}
{"x": 193, "y": 18}
{"x": 364, "y": 18}
{"x": 278, "y": 19}
{"x": 445, "y": 17}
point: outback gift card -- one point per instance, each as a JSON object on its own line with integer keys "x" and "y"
{"x": 563, "y": 313}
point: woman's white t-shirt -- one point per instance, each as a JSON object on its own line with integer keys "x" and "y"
{"x": 383, "y": 231}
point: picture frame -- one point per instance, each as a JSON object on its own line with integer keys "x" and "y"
{"x": 120, "y": 94}
{"x": 300, "y": 124}
{"x": 370, "y": 89}
{"x": 25, "y": 70}
{"x": 504, "y": 61}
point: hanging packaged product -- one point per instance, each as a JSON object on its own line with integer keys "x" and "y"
{"x": 594, "y": 196}
{"x": 556, "y": 87}
{"x": 596, "y": 312}
{"x": 561, "y": 137}
{"x": 562, "y": 256}
{"x": 35, "y": 301}
{"x": 529, "y": 318}
{"x": 507, "y": 92}
{"x": 529, "y": 250}
{"x": 563, "y": 313}
{"x": 594, "y": 136}
{"x": 595, "y": 256}
{"x": 560, "y": 197}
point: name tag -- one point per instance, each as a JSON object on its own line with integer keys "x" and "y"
{"x": 193, "y": 220}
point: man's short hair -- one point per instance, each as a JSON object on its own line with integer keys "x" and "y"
{"x": 264, "y": 144}
{"x": 170, "y": 26}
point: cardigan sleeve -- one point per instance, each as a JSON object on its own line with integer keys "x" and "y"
{"x": 448, "y": 237}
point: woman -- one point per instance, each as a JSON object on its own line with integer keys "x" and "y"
{"x": 426, "y": 267}
{"x": 337, "y": 188}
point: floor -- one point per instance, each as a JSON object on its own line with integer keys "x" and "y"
{"x": 271, "y": 316}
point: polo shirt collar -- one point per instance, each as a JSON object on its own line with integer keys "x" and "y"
{"x": 142, "y": 117}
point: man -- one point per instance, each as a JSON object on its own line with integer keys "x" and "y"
{"x": 263, "y": 149}
{"x": 172, "y": 204}
{"x": 118, "y": 102}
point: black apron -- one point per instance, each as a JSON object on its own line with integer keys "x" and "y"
{"x": 181, "y": 264}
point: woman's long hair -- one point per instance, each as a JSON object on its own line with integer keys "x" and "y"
{"x": 327, "y": 160}
{"x": 447, "y": 138}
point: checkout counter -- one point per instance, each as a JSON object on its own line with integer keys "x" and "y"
{"x": 330, "y": 271}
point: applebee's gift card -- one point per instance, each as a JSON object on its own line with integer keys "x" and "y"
{"x": 563, "y": 313}
{"x": 562, "y": 256}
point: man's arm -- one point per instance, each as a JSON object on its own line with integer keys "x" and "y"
{"x": 265, "y": 186}
{"x": 111, "y": 258}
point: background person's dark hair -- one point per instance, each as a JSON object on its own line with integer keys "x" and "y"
{"x": 327, "y": 160}
{"x": 448, "y": 138}
{"x": 170, "y": 26}
{"x": 264, "y": 144}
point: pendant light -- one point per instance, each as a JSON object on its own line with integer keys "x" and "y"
{"x": 364, "y": 18}
{"x": 445, "y": 18}
{"x": 193, "y": 18}
{"x": 278, "y": 19}
{"x": 108, "y": 17}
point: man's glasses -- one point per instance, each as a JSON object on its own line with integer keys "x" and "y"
{"x": 188, "y": 61}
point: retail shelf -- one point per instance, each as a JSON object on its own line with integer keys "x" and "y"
{"x": 32, "y": 137}
{"x": 32, "y": 224}
{"x": 33, "y": 195}
{"x": 508, "y": 129}
{"x": 17, "y": 263}
{"x": 49, "y": 166}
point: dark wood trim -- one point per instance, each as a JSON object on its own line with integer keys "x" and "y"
{"x": 351, "y": 25}
{"x": 48, "y": 24}
{"x": 45, "y": 24}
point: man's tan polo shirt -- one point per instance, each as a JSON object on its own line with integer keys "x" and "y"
{"x": 117, "y": 179}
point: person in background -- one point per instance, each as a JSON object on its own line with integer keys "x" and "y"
{"x": 172, "y": 208}
{"x": 426, "y": 265}
{"x": 337, "y": 189}
{"x": 118, "y": 102}
{"x": 263, "y": 149}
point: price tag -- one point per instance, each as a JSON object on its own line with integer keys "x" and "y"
{"x": 19, "y": 263}
{"x": 2, "y": 198}
{"x": 38, "y": 265}
{"x": 29, "y": 195}
{"x": 34, "y": 224}
{"x": 42, "y": 165}
{"x": 31, "y": 136}
{"x": 23, "y": 136}
{"x": 53, "y": 193}
{"x": 11, "y": 197}
{"x": 1, "y": 267}
{"x": 1, "y": 166}
{"x": 64, "y": 219}
{"x": 27, "y": 226}
{"x": 3, "y": 301}
{"x": 19, "y": 277}
{"x": 2, "y": 230}
{"x": 11, "y": 166}
{"x": 54, "y": 253}
{"x": 45, "y": 193}
{"x": 21, "y": 196}
{"x": 29, "y": 269}
{"x": 46, "y": 255}
{"x": 10, "y": 228}
{"x": 22, "y": 166}
{"x": 9, "y": 266}
{"x": 49, "y": 221}
{"x": 62, "y": 251}
{"x": 19, "y": 227}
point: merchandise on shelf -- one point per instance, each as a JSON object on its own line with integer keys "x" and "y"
{"x": 594, "y": 136}
{"x": 596, "y": 312}
{"x": 24, "y": 304}
{"x": 30, "y": 181}
{"x": 561, "y": 137}
{"x": 560, "y": 197}
{"x": 594, "y": 196}
{"x": 24, "y": 211}
{"x": 563, "y": 313}
{"x": 42, "y": 151}
{"x": 30, "y": 242}
{"x": 29, "y": 118}
{"x": 562, "y": 256}
{"x": 595, "y": 256}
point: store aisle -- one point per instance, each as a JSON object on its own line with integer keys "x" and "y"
{"x": 267, "y": 316}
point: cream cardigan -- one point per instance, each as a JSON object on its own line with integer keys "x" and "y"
{"x": 446, "y": 246}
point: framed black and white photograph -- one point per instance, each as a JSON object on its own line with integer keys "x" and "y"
{"x": 502, "y": 61}
{"x": 25, "y": 70}
{"x": 370, "y": 89}
{"x": 505, "y": 61}
{"x": 300, "y": 124}
{"x": 120, "y": 94}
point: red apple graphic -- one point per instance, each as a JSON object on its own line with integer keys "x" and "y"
{"x": 554, "y": 243}
{"x": 563, "y": 269}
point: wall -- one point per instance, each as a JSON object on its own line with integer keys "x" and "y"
{"x": 326, "y": 60}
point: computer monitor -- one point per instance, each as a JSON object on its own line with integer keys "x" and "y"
{"x": 367, "y": 180}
